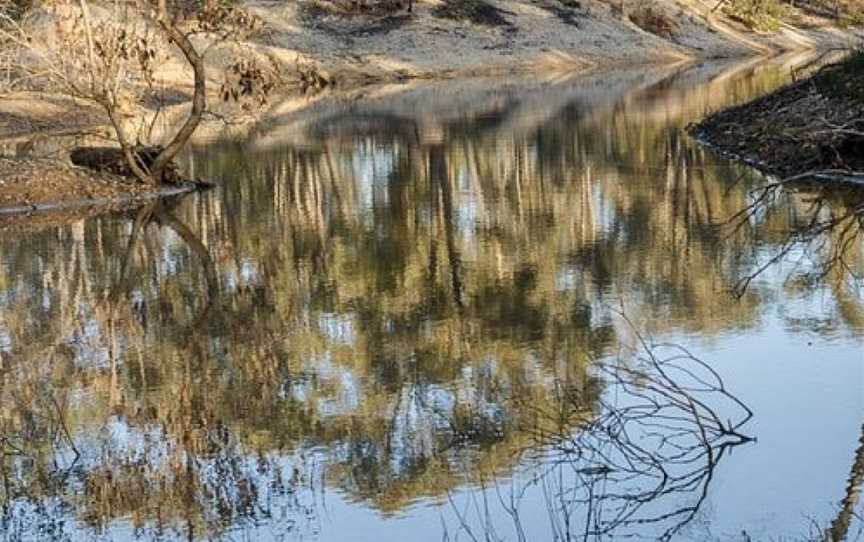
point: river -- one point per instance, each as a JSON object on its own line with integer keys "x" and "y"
{"x": 459, "y": 310}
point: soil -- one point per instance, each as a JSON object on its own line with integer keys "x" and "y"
{"x": 449, "y": 38}
{"x": 813, "y": 125}
{"x": 37, "y": 193}
{"x": 25, "y": 113}
{"x": 31, "y": 182}
{"x": 19, "y": 223}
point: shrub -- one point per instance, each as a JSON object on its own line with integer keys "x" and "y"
{"x": 652, "y": 19}
{"x": 475, "y": 11}
{"x": 844, "y": 79}
{"x": 757, "y": 14}
{"x": 851, "y": 12}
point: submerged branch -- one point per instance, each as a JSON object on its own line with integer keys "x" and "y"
{"x": 646, "y": 459}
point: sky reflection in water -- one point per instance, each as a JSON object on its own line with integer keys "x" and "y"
{"x": 400, "y": 317}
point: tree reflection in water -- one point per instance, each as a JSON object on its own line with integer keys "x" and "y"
{"x": 161, "y": 469}
{"x": 642, "y": 465}
{"x": 389, "y": 309}
{"x": 825, "y": 234}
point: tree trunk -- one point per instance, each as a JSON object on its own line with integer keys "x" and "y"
{"x": 840, "y": 526}
{"x": 199, "y": 100}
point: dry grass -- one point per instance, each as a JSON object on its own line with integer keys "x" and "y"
{"x": 14, "y": 9}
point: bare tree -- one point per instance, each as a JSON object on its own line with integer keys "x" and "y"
{"x": 112, "y": 59}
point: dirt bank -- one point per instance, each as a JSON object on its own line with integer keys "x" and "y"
{"x": 505, "y": 36}
{"x": 350, "y": 50}
{"x": 39, "y": 182}
{"x": 347, "y": 49}
{"x": 37, "y": 192}
{"x": 813, "y": 125}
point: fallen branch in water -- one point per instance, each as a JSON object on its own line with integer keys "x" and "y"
{"x": 855, "y": 177}
{"x": 641, "y": 466}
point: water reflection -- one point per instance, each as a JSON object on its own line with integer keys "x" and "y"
{"x": 643, "y": 464}
{"x": 383, "y": 304}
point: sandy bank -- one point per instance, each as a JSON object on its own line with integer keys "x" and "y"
{"x": 534, "y": 36}
{"x": 542, "y": 38}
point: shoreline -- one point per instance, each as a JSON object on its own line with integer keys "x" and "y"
{"x": 101, "y": 202}
{"x": 524, "y": 37}
{"x": 377, "y": 63}
{"x": 36, "y": 192}
{"x": 810, "y": 129}
{"x": 318, "y": 48}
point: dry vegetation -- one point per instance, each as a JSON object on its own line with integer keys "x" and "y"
{"x": 815, "y": 125}
{"x": 770, "y": 15}
{"x": 763, "y": 15}
{"x": 35, "y": 182}
{"x": 108, "y": 57}
{"x": 652, "y": 18}
{"x": 358, "y": 7}
{"x": 476, "y": 11}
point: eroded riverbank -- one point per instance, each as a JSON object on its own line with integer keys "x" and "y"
{"x": 813, "y": 127}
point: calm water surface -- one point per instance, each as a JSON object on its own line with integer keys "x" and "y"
{"x": 456, "y": 311}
